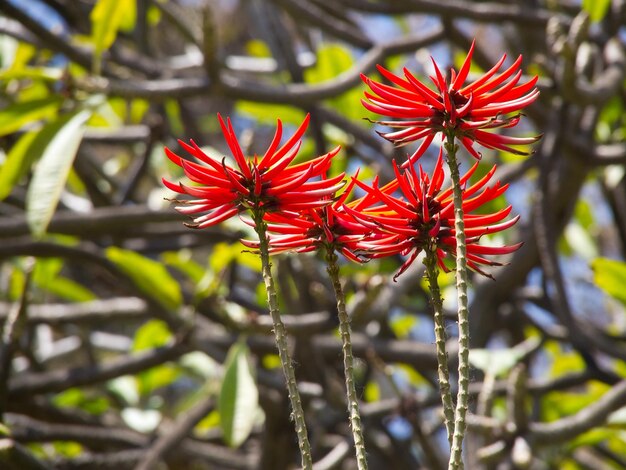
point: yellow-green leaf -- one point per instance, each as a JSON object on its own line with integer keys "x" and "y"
{"x": 149, "y": 276}
{"x": 17, "y": 115}
{"x": 597, "y": 9}
{"x": 610, "y": 275}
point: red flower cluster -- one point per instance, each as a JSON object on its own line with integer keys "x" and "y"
{"x": 329, "y": 226}
{"x": 410, "y": 214}
{"x": 268, "y": 183}
{"x": 467, "y": 111}
{"x": 423, "y": 217}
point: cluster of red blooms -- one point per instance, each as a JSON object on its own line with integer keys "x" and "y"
{"x": 303, "y": 210}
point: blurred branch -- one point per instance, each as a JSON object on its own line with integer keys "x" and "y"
{"x": 237, "y": 88}
{"x": 595, "y": 414}
{"x": 62, "y": 379}
{"x": 168, "y": 440}
{"x": 310, "y": 12}
{"x": 487, "y": 12}
{"x": 15, "y": 457}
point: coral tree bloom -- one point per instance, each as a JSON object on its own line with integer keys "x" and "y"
{"x": 309, "y": 230}
{"x": 267, "y": 184}
{"x": 468, "y": 111}
{"x": 423, "y": 217}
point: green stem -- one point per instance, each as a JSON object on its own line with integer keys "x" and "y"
{"x": 456, "y": 457}
{"x": 432, "y": 272}
{"x": 281, "y": 342}
{"x": 348, "y": 359}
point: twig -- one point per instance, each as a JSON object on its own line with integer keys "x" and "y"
{"x": 167, "y": 441}
{"x": 456, "y": 459}
{"x": 280, "y": 336}
{"x": 443, "y": 373}
{"x": 12, "y": 331}
{"x": 348, "y": 359}
{"x": 59, "y": 380}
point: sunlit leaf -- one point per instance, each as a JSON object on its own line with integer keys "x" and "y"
{"x": 499, "y": 361}
{"x": 67, "y": 449}
{"x": 46, "y": 276}
{"x": 52, "y": 171}
{"x": 48, "y": 74}
{"x": 156, "y": 378}
{"x": 372, "y": 392}
{"x": 107, "y": 17}
{"x": 267, "y": 113}
{"x": 238, "y": 401}
{"x": 17, "y": 163}
{"x": 402, "y": 325}
{"x": 149, "y": 276}
{"x": 225, "y": 253}
{"x": 80, "y": 399}
{"x": 597, "y": 9}
{"x": 17, "y": 115}
{"x": 152, "y": 334}
{"x": 610, "y": 275}
{"x": 258, "y": 48}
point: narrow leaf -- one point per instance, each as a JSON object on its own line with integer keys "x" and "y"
{"x": 17, "y": 163}
{"x": 238, "y": 401}
{"x": 17, "y": 115}
{"x": 106, "y": 18}
{"x": 53, "y": 169}
{"x": 149, "y": 276}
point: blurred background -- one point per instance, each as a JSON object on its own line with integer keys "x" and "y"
{"x": 131, "y": 341}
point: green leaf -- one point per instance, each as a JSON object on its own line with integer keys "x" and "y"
{"x": 17, "y": 163}
{"x": 17, "y": 115}
{"x": 46, "y": 276}
{"x": 610, "y": 276}
{"x": 596, "y": 9}
{"x": 258, "y": 48}
{"x": 266, "y": 113}
{"x": 402, "y": 325}
{"x": 48, "y": 74}
{"x": 152, "y": 334}
{"x": 224, "y": 253}
{"x": 86, "y": 401}
{"x": 500, "y": 361}
{"x": 238, "y": 400}
{"x": 53, "y": 169}
{"x": 332, "y": 60}
{"x": 106, "y": 19}
{"x": 149, "y": 276}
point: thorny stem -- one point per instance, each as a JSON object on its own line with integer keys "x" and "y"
{"x": 440, "y": 340}
{"x": 348, "y": 359}
{"x": 281, "y": 342}
{"x": 456, "y": 452}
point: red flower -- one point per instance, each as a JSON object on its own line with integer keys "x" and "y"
{"x": 268, "y": 183}
{"x": 424, "y": 216}
{"x": 308, "y": 230}
{"x": 465, "y": 110}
